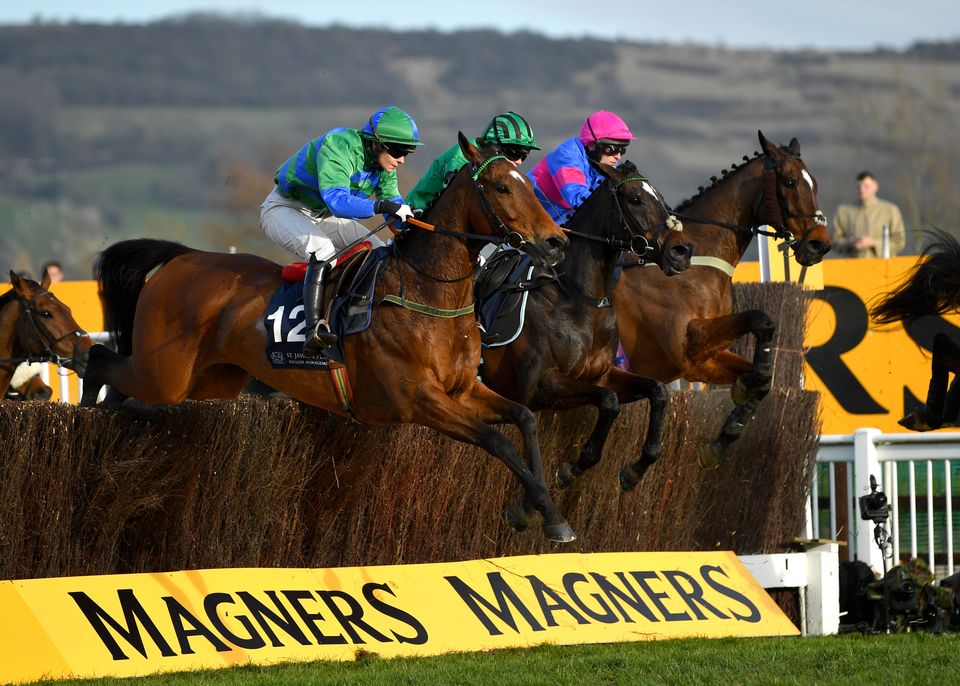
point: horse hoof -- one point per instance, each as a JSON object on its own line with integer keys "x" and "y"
{"x": 709, "y": 455}
{"x": 559, "y": 533}
{"x": 517, "y": 516}
{"x": 566, "y": 476}
{"x": 919, "y": 420}
{"x": 629, "y": 478}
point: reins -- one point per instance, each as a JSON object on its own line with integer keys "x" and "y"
{"x": 46, "y": 339}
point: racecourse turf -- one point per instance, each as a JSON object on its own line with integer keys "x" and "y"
{"x": 848, "y": 660}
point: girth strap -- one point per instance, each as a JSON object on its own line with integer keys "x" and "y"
{"x": 428, "y": 310}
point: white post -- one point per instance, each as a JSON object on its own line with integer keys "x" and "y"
{"x": 822, "y": 616}
{"x": 865, "y": 462}
{"x": 763, "y": 246}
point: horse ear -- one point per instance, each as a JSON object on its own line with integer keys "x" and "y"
{"x": 19, "y": 285}
{"x": 772, "y": 150}
{"x": 794, "y": 146}
{"x": 45, "y": 282}
{"x": 605, "y": 169}
{"x": 469, "y": 150}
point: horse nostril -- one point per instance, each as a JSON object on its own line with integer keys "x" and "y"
{"x": 682, "y": 250}
{"x": 819, "y": 247}
{"x": 558, "y": 242}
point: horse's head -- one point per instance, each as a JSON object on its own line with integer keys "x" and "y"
{"x": 505, "y": 206}
{"x": 46, "y": 326}
{"x": 654, "y": 233}
{"x": 788, "y": 201}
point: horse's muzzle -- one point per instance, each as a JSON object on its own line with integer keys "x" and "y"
{"x": 676, "y": 258}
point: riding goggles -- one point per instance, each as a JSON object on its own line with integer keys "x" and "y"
{"x": 397, "y": 150}
{"x": 514, "y": 152}
{"x": 611, "y": 150}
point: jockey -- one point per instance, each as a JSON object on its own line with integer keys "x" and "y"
{"x": 507, "y": 134}
{"x": 324, "y": 188}
{"x": 564, "y": 178}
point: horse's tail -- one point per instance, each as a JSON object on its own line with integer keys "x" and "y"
{"x": 932, "y": 287}
{"x": 121, "y": 271}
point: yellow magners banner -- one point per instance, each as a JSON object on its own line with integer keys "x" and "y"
{"x": 137, "y": 624}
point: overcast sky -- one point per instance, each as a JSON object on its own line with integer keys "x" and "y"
{"x": 850, "y": 24}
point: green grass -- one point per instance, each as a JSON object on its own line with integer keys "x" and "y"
{"x": 847, "y": 660}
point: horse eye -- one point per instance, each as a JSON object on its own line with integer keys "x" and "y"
{"x": 636, "y": 200}
{"x": 789, "y": 183}
{"x": 46, "y": 314}
{"x": 501, "y": 189}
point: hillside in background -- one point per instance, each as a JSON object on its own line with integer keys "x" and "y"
{"x": 173, "y": 129}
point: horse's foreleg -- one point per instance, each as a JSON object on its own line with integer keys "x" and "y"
{"x": 709, "y": 338}
{"x": 560, "y": 392}
{"x": 464, "y": 419}
{"x": 629, "y": 388}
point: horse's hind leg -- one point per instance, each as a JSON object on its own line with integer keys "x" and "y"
{"x": 153, "y": 381}
{"x": 931, "y": 415}
{"x": 709, "y": 338}
{"x": 458, "y": 418}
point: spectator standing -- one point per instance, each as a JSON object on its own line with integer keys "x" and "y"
{"x": 858, "y": 229}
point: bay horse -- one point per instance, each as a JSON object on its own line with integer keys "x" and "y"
{"x": 683, "y": 326}
{"x": 196, "y": 330}
{"x": 565, "y": 355}
{"x": 35, "y": 326}
{"x": 932, "y": 287}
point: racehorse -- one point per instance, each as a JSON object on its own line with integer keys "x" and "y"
{"x": 36, "y": 327}
{"x": 932, "y": 287}
{"x": 196, "y": 328}
{"x": 564, "y": 357}
{"x": 683, "y": 326}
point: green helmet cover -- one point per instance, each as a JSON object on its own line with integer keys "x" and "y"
{"x": 392, "y": 125}
{"x": 509, "y": 128}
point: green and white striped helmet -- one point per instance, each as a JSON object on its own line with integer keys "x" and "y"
{"x": 509, "y": 128}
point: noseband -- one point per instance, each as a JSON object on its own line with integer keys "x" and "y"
{"x": 46, "y": 339}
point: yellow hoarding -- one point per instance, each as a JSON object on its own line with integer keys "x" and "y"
{"x": 867, "y": 377}
{"x": 137, "y": 624}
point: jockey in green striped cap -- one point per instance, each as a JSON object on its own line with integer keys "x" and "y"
{"x": 325, "y": 187}
{"x": 507, "y": 134}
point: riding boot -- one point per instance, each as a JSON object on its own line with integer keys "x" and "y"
{"x": 319, "y": 335}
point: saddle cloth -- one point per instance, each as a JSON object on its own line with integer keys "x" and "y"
{"x": 355, "y": 281}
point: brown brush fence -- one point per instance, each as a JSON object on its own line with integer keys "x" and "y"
{"x": 257, "y": 482}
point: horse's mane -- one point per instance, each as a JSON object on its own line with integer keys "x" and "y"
{"x": 716, "y": 181}
{"x": 931, "y": 287}
{"x": 627, "y": 167}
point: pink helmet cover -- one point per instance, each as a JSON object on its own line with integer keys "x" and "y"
{"x": 602, "y": 124}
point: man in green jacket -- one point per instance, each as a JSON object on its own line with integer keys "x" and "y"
{"x": 858, "y": 229}
{"x": 507, "y": 134}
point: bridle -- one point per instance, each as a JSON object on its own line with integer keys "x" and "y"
{"x": 637, "y": 243}
{"x": 45, "y": 337}
{"x": 779, "y": 231}
{"x": 504, "y": 234}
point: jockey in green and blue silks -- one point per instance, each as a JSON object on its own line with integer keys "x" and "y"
{"x": 339, "y": 173}
{"x": 325, "y": 187}
{"x": 507, "y": 134}
{"x": 565, "y": 178}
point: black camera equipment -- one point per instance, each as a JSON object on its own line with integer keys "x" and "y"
{"x": 874, "y": 507}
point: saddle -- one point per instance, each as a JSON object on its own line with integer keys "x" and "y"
{"x": 342, "y": 278}
{"x": 500, "y": 294}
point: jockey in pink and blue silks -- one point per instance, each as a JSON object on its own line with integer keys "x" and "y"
{"x": 564, "y": 178}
